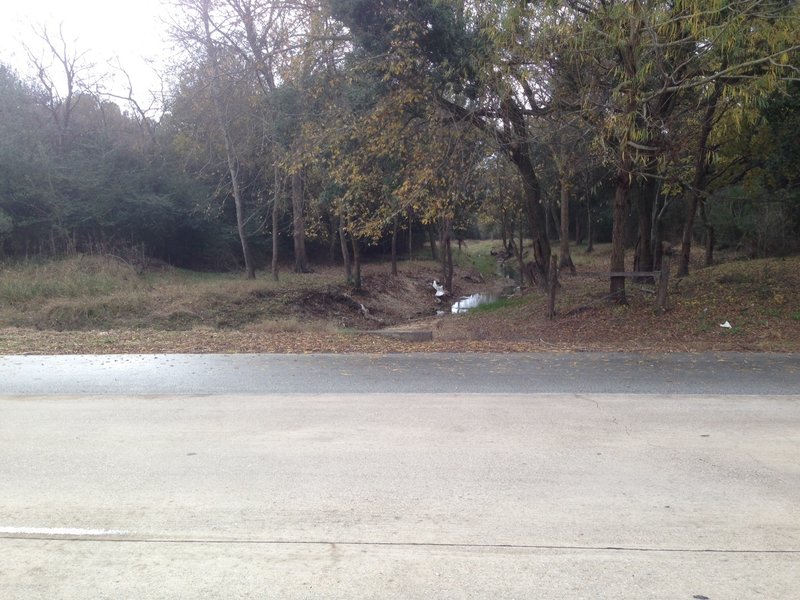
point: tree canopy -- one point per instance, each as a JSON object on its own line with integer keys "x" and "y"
{"x": 350, "y": 122}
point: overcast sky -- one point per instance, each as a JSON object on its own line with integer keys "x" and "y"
{"x": 131, "y": 31}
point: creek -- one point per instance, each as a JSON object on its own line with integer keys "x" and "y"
{"x": 467, "y": 303}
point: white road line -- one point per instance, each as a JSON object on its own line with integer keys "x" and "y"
{"x": 60, "y": 531}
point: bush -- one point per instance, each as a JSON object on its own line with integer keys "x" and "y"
{"x": 755, "y": 222}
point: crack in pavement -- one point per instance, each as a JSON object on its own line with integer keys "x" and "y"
{"x": 488, "y": 546}
{"x": 613, "y": 419}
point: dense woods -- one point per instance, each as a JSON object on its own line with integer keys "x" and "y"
{"x": 301, "y": 132}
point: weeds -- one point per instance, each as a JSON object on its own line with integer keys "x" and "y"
{"x": 75, "y": 277}
{"x": 85, "y": 293}
{"x": 477, "y": 256}
{"x": 499, "y": 304}
{"x": 705, "y": 325}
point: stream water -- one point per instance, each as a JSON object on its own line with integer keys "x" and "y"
{"x": 467, "y": 303}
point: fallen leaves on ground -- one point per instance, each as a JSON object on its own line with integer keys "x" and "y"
{"x": 759, "y": 298}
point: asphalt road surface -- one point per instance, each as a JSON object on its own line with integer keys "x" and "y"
{"x": 433, "y": 476}
{"x": 722, "y": 373}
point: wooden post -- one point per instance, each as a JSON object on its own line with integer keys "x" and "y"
{"x": 552, "y": 284}
{"x": 663, "y": 282}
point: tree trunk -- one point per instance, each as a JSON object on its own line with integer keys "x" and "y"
{"x": 556, "y": 219}
{"x": 702, "y": 166}
{"x": 519, "y": 252}
{"x": 230, "y": 153}
{"x": 443, "y": 255}
{"x": 356, "y": 263}
{"x": 410, "y": 212}
{"x": 645, "y": 193}
{"x": 552, "y": 288}
{"x": 275, "y": 245}
{"x": 237, "y": 200}
{"x": 516, "y": 136}
{"x": 348, "y": 265}
{"x": 686, "y": 239}
{"x": 298, "y": 224}
{"x": 589, "y": 227}
{"x": 658, "y": 245}
{"x": 334, "y": 233}
{"x": 504, "y": 229}
{"x": 663, "y": 286}
{"x": 432, "y": 241}
{"x": 566, "y": 257}
{"x": 620, "y": 210}
{"x": 534, "y": 211}
{"x": 447, "y": 257}
{"x": 394, "y": 247}
{"x": 710, "y": 237}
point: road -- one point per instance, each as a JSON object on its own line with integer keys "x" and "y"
{"x": 597, "y": 373}
{"x": 316, "y": 486}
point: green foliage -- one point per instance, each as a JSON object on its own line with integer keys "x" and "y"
{"x": 498, "y": 305}
{"x": 753, "y": 221}
{"x": 103, "y": 185}
{"x": 6, "y": 224}
{"x": 483, "y": 262}
{"x": 756, "y": 206}
{"x": 429, "y": 112}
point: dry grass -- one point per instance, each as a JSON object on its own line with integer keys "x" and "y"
{"x": 100, "y": 305}
{"x": 90, "y": 292}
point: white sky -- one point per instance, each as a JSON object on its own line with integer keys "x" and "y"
{"x": 132, "y": 31}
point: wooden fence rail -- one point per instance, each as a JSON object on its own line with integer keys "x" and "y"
{"x": 660, "y": 277}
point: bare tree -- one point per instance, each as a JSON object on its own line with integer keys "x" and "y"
{"x": 63, "y": 75}
{"x": 268, "y": 37}
{"x": 144, "y": 115}
{"x": 206, "y": 41}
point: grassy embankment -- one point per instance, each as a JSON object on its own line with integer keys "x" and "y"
{"x": 100, "y": 304}
{"x": 91, "y": 292}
